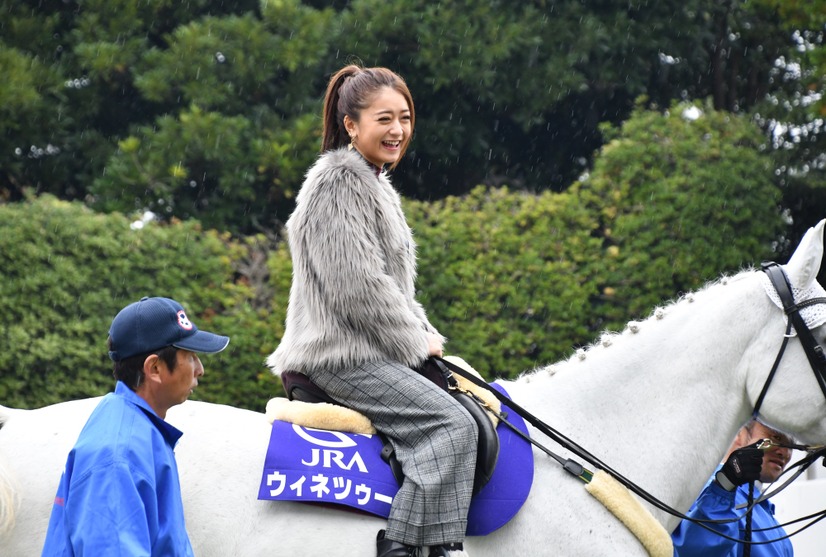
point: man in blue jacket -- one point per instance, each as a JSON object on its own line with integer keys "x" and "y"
{"x": 728, "y": 489}
{"x": 119, "y": 493}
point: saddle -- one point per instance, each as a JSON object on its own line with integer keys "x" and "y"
{"x": 299, "y": 387}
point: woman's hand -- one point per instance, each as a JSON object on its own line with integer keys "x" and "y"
{"x": 434, "y": 345}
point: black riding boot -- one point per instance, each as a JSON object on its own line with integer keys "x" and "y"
{"x": 390, "y": 548}
{"x": 441, "y": 550}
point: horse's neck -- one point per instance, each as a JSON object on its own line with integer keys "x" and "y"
{"x": 659, "y": 405}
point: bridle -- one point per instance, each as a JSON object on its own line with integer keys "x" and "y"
{"x": 817, "y": 360}
{"x": 814, "y": 352}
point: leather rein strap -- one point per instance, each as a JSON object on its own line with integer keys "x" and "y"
{"x": 814, "y": 353}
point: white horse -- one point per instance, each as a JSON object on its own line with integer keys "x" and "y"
{"x": 659, "y": 402}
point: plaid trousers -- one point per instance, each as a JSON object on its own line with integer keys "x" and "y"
{"x": 435, "y": 441}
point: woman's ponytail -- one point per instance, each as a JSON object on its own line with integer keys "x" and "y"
{"x": 333, "y": 134}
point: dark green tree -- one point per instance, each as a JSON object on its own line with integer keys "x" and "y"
{"x": 240, "y": 124}
{"x": 507, "y": 93}
{"x": 514, "y": 93}
{"x": 793, "y": 114}
{"x": 83, "y": 57}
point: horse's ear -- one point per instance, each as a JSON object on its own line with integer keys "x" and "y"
{"x": 804, "y": 264}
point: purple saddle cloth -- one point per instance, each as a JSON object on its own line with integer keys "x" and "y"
{"x": 320, "y": 466}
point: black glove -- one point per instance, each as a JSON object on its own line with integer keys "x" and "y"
{"x": 742, "y": 466}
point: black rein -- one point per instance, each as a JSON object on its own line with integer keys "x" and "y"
{"x": 814, "y": 353}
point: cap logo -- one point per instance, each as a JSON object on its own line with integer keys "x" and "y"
{"x": 184, "y": 321}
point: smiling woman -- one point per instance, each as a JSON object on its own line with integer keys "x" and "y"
{"x": 371, "y": 110}
{"x": 382, "y": 129}
{"x": 354, "y": 326}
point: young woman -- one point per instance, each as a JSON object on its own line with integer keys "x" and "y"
{"x": 353, "y": 324}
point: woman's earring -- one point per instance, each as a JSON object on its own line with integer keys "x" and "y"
{"x": 350, "y": 147}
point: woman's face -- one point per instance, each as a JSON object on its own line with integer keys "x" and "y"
{"x": 382, "y": 129}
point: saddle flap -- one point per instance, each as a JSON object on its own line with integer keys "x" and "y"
{"x": 487, "y": 452}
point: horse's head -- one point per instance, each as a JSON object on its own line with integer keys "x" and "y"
{"x": 794, "y": 400}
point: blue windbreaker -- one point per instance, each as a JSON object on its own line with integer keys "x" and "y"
{"x": 716, "y": 503}
{"x": 119, "y": 493}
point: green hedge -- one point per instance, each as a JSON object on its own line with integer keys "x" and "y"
{"x": 501, "y": 275}
{"x": 66, "y": 272}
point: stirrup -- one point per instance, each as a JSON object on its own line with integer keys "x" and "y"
{"x": 442, "y": 550}
{"x": 391, "y": 548}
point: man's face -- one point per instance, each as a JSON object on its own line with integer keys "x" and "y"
{"x": 180, "y": 383}
{"x": 775, "y": 459}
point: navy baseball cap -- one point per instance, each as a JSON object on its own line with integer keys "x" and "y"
{"x": 154, "y": 323}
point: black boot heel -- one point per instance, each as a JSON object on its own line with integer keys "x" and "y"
{"x": 390, "y": 548}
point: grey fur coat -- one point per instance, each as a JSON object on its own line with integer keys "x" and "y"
{"x": 354, "y": 266}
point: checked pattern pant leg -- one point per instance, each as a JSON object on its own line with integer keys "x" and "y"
{"x": 435, "y": 441}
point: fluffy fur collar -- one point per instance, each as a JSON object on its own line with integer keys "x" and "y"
{"x": 354, "y": 267}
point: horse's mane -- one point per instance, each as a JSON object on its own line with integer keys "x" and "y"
{"x": 610, "y": 338}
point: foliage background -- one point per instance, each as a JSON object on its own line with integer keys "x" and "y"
{"x": 515, "y": 279}
{"x": 575, "y": 163}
